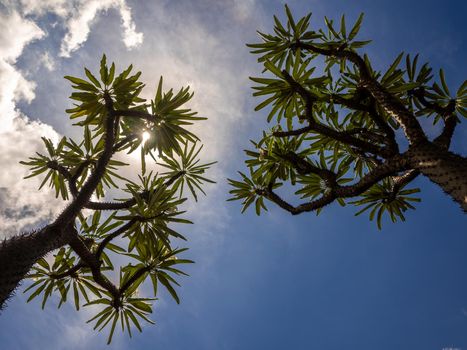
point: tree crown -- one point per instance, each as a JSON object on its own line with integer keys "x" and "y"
{"x": 137, "y": 229}
{"x": 336, "y": 130}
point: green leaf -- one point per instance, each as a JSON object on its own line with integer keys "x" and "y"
{"x": 273, "y": 69}
{"x": 356, "y": 27}
{"x": 103, "y": 69}
{"x": 92, "y": 78}
{"x": 265, "y": 103}
{"x": 112, "y": 328}
{"x": 111, "y": 74}
{"x": 343, "y": 29}
{"x": 393, "y": 67}
{"x": 443, "y": 82}
{"x": 76, "y": 296}
{"x": 330, "y": 26}
{"x": 75, "y": 80}
{"x": 36, "y": 292}
{"x": 134, "y": 320}
{"x": 158, "y": 97}
{"x": 169, "y": 287}
{"x": 290, "y": 17}
{"x": 462, "y": 89}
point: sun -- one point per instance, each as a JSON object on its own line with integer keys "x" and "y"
{"x": 146, "y": 136}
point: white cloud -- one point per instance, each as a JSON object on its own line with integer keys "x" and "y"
{"x": 214, "y": 70}
{"x": 39, "y": 8}
{"x": 80, "y": 18}
{"x": 21, "y": 205}
{"x": 131, "y": 37}
{"x": 15, "y": 33}
{"x": 47, "y": 61}
{"x": 13, "y": 87}
{"x": 79, "y": 23}
{"x": 243, "y": 9}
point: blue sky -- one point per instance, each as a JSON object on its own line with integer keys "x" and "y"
{"x": 273, "y": 282}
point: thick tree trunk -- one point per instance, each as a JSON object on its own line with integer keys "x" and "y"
{"x": 18, "y": 254}
{"x": 444, "y": 168}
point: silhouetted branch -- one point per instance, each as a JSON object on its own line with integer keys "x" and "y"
{"x": 402, "y": 180}
{"x": 325, "y": 130}
{"x": 86, "y": 191}
{"x": 72, "y": 271}
{"x": 137, "y": 114}
{"x": 335, "y": 191}
{"x": 390, "y": 104}
{"x": 143, "y": 270}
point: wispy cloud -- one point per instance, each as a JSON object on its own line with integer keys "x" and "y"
{"x": 78, "y": 17}
{"x": 40, "y": 8}
{"x": 47, "y": 61}
{"x": 131, "y": 37}
{"x": 243, "y": 9}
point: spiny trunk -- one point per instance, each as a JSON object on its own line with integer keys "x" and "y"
{"x": 18, "y": 254}
{"x": 446, "y": 169}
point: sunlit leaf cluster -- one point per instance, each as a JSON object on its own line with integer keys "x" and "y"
{"x": 132, "y": 235}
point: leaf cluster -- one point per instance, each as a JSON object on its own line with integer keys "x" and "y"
{"x": 132, "y": 236}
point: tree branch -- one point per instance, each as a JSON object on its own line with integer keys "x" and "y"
{"x": 82, "y": 198}
{"x": 69, "y": 273}
{"x": 295, "y": 132}
{"x": 355, "y": 103}
{"x": 447, "y": 112}
{"x": 444, "y": 138}
{"x": 123, "y": 142}
{"x": 135, "y": 277}
{"x": 136, "y": 114}
{"x": 390, "y": 103}
{"x": 130, "y": 202}
{"x": 113, "y": 235}
{"x": 444, "y": 111}
{"x": 130, "y": 223}
{"x": 54, "y": 165}
{"x": 402, "y": 180}
{"x": 327, "y": 131}
{"x": 107, "y": 153}
{"x": 111, "y": 205}
{"x": 390, "y": 167}
{"x": 94, "y": 264}
{"x": 304, "y": 167}
{"x": 72, "y": 178}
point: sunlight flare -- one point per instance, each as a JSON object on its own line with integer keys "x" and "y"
{"x": 146, "y": 136}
